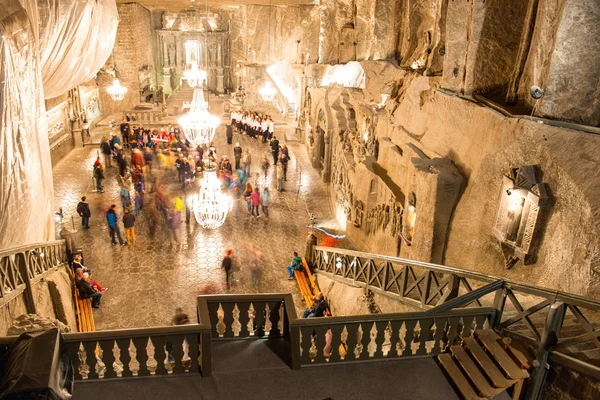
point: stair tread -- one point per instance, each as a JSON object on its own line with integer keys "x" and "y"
{"x": 486, "y": 363}
{"x": 474, "y": 373}
{"x": 519, "y": 352}
{"x": 457, "y": 377}
{"x": 489, "y": 339}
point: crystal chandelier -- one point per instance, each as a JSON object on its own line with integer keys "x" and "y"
{"x": 211, "y": 205}
{"x": 116, "y": 91}
{"x": 194, "y": 76}
{"x": 198, "y": 124}
{"x": 267, "y": 92}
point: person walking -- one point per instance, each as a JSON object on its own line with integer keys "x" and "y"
{"x": 247, "y": 194}
{"x": 106, "y": 149}
{"x": 284, "y": 157}
{"x": 246, "y": 162}
{"x": 265, "y": 164}
{"x": 237, "y": 155}
{"x": 83, "y": 209}
{"x": 226, "y": 264}
{"x": 174, "y": 221}
{"x": 255, "y": 200}
{"x": 229, "y": 133}
{"x": 280, "y": 178}
{"x": 275, "y": 149}
{"x": 128, "y": 223}
{"x": 99, "y": 177}
{"x": 113, "y": 226}
{"x": 264, "y": 199}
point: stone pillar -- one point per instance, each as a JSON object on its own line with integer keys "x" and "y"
{"x": 167, "y": 89}
{"x": 574, "y": 75}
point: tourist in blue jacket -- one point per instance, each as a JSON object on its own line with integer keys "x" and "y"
{"x": 113, "y": 226}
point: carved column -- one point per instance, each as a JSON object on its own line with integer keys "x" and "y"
{"x": 326, "y": 173}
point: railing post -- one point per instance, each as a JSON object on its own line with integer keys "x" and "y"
{"x": 311, "y": 242}
{"x": 554, "y": 321}
{"x": 499, "y": 302}
{"x": 206, "y": 354}
{"x": 28, "y": 293}
{"x": 295, "y": 346}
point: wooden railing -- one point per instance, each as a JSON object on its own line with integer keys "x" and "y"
{"x": 21, "y": 266}
{"x": 528, "y": 314}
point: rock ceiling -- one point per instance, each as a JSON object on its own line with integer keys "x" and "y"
{"x": 177, "y": 5}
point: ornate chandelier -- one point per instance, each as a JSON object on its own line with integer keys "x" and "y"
{"x": 116, "y": 91}
{"x": 198, "y": 124}
{"x": 211, "y": 205}
{"x": 267, "y": 92}
{"x": 194, "y": 76}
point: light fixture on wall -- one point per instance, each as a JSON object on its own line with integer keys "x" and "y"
{"x": 268, "y": 92}
{"x": 210, "y": 205}
{"x": 116, "y": 91}
{"x": 198, "y": 124}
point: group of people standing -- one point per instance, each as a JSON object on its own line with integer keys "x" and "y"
{"x": 253, "y": 124}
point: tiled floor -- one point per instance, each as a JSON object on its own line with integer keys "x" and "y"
{"x": 148, "y": 280}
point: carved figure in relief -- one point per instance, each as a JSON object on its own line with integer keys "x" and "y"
{"x": 358, "y": 213}
{"x": 385, "y": 217}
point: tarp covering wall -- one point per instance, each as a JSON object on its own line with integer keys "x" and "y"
{"x": 59, "y": 43}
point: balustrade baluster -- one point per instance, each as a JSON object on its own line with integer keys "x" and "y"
{"x": 90, "y": 351}
{"x": 336, "y": 342}
{"x": 141, "y": 355}
{"x": 123, "y": 345}
{"x": 73, "y": 351}
{"x": 159, "y": 354}
{"x": 358, "y": 348}
{"x": 409, "y": 338}
{"x": 395, "y": 338}
{"x": 193, "y": 352}
{"x": 380, "y": 338}
{"x": 236, "y": 326}
{"x": 440, "y": 325}
{"x": 108, "y": 357}
{"x": 251, "y": 314}
{"x": 117, "y": 365}
{"x": 151, "y": 363}
{"x": 228, "y": 318}
{"x": 305, "y": 344}
{"x": 425, "y": 336}
{"x": 320, "y": 340}
{"x": 274, "y": 319}
{"x": 259, "y": 319}
{"x": 177, "y": 353}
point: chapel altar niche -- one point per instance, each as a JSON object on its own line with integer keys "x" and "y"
{"x": 183, "y": 40}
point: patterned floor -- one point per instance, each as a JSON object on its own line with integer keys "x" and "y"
{"x": 149, "y": 280}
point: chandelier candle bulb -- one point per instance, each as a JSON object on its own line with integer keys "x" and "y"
{"x": 116, "y": 91}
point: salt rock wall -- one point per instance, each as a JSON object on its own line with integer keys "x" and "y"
{"x": 293, "y": 33}
{"x": 452, "y": 153}
{"x": 132, "y": 52}
{"x": 53, "y": 299}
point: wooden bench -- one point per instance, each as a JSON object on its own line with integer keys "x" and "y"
{"x": 83, "y": 309}
{"x": 308, "y": 286}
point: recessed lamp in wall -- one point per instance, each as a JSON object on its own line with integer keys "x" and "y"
{"x": 39, "y": 254}
{"x": 536, "y": 92}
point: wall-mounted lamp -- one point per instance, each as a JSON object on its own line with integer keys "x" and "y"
{"x": 58, "y": 216}
{"x": 38, "y": 253}
{"x": 338, "y": 263}
{"x": 521, "y": 199}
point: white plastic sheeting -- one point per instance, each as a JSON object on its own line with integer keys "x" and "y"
{"x": 351, "y": 75}
{"x": 286, "y": 79}
{"x": 76, "y": 36}
{"x": 39, "y": 44}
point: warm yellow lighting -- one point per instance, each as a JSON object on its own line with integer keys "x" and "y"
{"x": 267, "y": 92}
{"x": 116, "y": 91}
{"x": 341, "y": 217}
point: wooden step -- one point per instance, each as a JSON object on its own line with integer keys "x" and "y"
{"x": 519, "y": 352}
{"x": 463, "y": 385}
{"x": 486, "y": 363}
{"x": 489, "y": 339}
{"x": 474, "y": 373}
